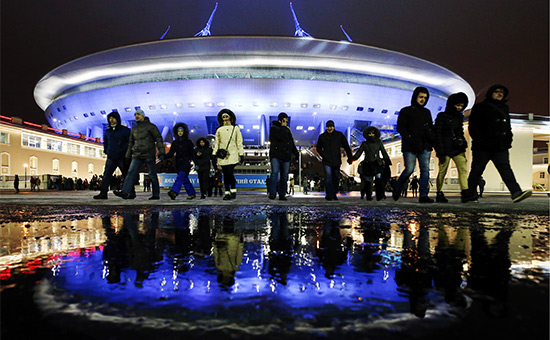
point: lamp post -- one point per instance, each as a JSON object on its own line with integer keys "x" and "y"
{"x": 25, "y": 166}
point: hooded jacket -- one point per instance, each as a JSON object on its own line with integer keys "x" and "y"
{"x": 145, "y": 139}
{"x": 449, "y": 134}
{"x": 115, "y": 139}
{"x": 415, "y": 125}
{"x": 229, "y": 137}
{"x": 329, "y": 145}
{"x": 489, "y": 123}
{"x": 372, "y": 147}
{"x": 281, "y": 142}
{"x": 182, "y": 147}
{"x": 203, "y": 155}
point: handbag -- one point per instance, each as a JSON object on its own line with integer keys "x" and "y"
{"x": 222, "y": 153}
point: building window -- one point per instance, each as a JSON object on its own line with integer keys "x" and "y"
{"x": 542, "y": 175}
{"x": 89, "y": 151}
{"x": 90, "y": 169}
{"x": 73, "y": 148}
{"x": 5, "y": 163}
{"x": 33, "y": 165}
{"x": 55, "y": 166}
{"x": 31, "y": 141}
{"x": 545, "y": 160}
{"x": 432, "y": 163}
{"x": 399, "y": 168}
{"x": 74, "y": 168}
{"x": 4, "y": 138}
{"x": 54, "y": 145}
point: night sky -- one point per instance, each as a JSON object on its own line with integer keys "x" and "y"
{"x": 485, "y": 42}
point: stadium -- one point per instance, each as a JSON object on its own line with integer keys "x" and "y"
{"x": 191, "y": 79}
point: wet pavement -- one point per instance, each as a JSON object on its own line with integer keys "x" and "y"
{"x": 254, "y": 268}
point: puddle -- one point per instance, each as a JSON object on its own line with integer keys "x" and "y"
{"x": 262, "y": 272}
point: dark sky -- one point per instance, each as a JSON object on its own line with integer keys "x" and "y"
{"x": 485, "y": 42}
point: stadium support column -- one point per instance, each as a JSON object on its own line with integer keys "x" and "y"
{"x": 348, "y": 134}
{"x": 263, "y": 131}
{"x": 164, "y": 132}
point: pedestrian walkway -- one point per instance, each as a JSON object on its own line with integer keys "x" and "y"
{"x": 491, "y": 202}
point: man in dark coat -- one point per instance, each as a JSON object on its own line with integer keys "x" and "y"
{"x": 115, "y": 144}
{"x": 329, "y": 147}
{"x": 145, "y": 139}
{"x": 281, "y": 148}
{"x": 491, "y": 132}
{"x": 415, "y": 126}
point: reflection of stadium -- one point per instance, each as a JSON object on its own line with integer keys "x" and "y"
{"x": 191, "y": 79}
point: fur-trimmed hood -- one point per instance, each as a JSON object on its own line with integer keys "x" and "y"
{"x": 206, "y": 142}
{"x": 185, "y": 130}
{"x": 456, "y": 98}
{"x": 232, "y": 116}
{"x": 369, "y": 129}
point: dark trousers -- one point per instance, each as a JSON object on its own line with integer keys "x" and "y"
{"x": 229, "y": 177}
{"x": 501, "y": 160}
{"x": 110, "y": 167}
{"x": 204, "y": 179}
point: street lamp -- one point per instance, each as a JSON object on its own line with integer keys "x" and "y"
{"x": 25, "y": 166}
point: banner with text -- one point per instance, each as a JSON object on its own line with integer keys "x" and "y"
{"x": 243, "y": 180}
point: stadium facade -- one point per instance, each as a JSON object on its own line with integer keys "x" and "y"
{"x": 257, "y": 77}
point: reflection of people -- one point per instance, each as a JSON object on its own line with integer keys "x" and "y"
{"x": 415, "y": 274}
{"x": 330, "y": 250}
{"x": 281, "y": 149}
{"x": 373, "y": 164}
{"x": 115, "y": 144}
{"x": 142, "y": 246}
{"x": 451, "y": 144}
{"x": 329, "y": 145}
{"x": 280, "y": 244}
{"x": 481, "y": 186}
{"x": 491, "y": 132}
{"x": 449, "y": 260}
{"x": 414, "y": 124}
{"x": 145, "y": 139}
{"x": 183, "y": 148}
{"x": 490, "y": 270}
{"x": 230, "y": 139}
{"x": 228, "y": 252}
{"x": 414, "y": 186}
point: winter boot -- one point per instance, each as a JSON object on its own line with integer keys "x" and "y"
{"x": 227, "y": 196}
{"x": 440, "y": 197}
{"x": 233, "y": 193}
{"x": 172, "y": 194}
{"x": 468, "y": 196}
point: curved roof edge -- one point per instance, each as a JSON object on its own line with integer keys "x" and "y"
{"x": 239, "y": 52}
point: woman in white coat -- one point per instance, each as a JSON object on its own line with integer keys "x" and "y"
{"x": 230, "y": 139}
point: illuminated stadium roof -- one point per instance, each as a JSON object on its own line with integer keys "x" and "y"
{"x": 191, "y": 79}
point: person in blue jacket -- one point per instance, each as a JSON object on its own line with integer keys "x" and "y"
{"x": 115, "y": 144}
{"x": 184, "y": 150}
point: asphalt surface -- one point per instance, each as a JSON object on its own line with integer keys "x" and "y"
{"x": 539, "y": 203}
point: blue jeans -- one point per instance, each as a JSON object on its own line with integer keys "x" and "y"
{"x": 410, "y": 163}
{"x": 183, "y": 179}
{"x": 332, "y": 178}
{"x": 129, "y": 181}
{"x": 278, "y": 168}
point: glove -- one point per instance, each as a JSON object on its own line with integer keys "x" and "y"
{"x": 241, "y": 159}
{"x": 161, "y": 157}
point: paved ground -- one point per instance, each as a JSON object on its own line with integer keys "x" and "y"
{"x": 539, "y": 203}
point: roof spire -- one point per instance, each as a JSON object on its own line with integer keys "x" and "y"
{"x": 206, "y": 30}
{"x": 347, "y": 36}
{"x": 165, "y": 32}
{"x": 299, "y": 31}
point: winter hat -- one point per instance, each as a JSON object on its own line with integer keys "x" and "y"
{"x": 140, "y": 112}
{"x": 282, "y": 116}
{"x": 330, "y": 123}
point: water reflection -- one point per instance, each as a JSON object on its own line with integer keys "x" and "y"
{"x": 279, "y": 266}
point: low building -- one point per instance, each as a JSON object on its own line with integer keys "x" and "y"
{"x": 29, "y": 149}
